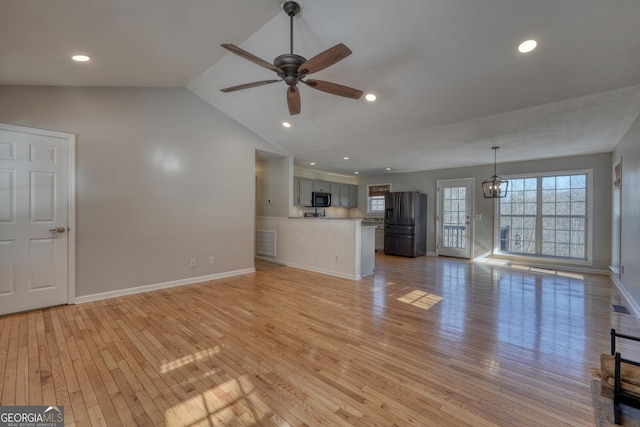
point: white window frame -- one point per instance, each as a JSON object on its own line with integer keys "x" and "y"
{"x": 537, "y": 258}
{"x": 370, "y": 198}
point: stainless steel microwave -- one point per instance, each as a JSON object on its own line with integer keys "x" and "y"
{"x": 320, "y": 200}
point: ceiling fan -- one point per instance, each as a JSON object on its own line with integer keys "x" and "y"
{"x": 292, "y": 68}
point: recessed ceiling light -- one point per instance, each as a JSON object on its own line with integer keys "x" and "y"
{"x": 286, "y": 124}
{"x": 370, "y": 97}
{"x": 80, "y": 58}
{"x": 356, "y": 173}
{"x": 387, "y": 169}
{"x": 312, "y": 163}
{"x": 527, "y": 46}
{"x": 345, "y": 158}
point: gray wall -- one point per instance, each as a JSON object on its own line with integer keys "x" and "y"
{"x": 161, "y": 176}
{"x": 274, "y": 183}
{"x": 629, "y": 152}
{"x": 425, "y": 182}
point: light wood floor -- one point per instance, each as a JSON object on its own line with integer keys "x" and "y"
{"x": 427, "y": 341}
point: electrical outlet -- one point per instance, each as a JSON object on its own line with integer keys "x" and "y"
{"x": 192, "y": 262}
{"x": 337, "y": 258}
{"x": 212, "y": 259}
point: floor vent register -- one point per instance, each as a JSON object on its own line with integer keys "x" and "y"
{"x": 620, "y": 309}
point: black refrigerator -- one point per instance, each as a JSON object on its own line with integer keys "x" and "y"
{"x": 405, "y": 224}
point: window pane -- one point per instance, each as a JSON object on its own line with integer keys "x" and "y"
{"x": 562, "y": 249}
{"x": 548, "y": 209}
{"x": 562, "y": 236}
{"x": 577, "y": 251}
{"x": 548, "y": 223}
{"x": 531, "y": 184}
{"x": 376, "y": 204}
{"x": 563, "y": 182}
{"x": 578, "y": 208}
{"x": 579, "y": 181}
{"x": 562, "y": 223}
{"x": 548, "y": 236}
{"x": 577, "y": 224}
{"x": 577, "y": 237}
{"x": 563, "y": 195}
{"x": 549, "y": 249}
{"x": 530, "y": 208}
{"x": 562, "y": 208}
{"x": 579, "y": 195}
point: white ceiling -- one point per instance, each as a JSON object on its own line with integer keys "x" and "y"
{"x": 449, "y": 80}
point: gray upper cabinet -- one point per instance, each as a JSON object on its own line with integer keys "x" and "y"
{"x": 335, "y": 194}
{"x": 305, "y": 188}
{"x": 348, "y": 195}
{"x": 322, "y": 187}
{"x": 353, "y": 196}
{"x": 342, "y": 195}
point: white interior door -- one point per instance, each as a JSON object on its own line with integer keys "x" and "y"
{"x": 34, "y": 219}
{"x": 454, "y": 217}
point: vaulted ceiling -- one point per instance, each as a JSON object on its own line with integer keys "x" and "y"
{"x": 449, "y": 79}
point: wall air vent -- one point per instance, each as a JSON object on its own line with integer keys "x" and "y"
{"x": 266, "y": 243}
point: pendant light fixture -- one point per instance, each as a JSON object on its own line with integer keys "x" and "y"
{"x": 495, "y": 187}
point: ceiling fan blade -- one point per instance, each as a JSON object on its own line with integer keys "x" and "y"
{"x": 293, "y": 100}
{"x": 334, "y": 88}
{"x": 246, "y": 55}
{"x": 248, "y": 85}
{"x": 324, "y": 59}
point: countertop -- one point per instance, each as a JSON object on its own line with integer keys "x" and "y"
{"x": 377, "y": 223}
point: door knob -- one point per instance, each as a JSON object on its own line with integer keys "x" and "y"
{"x": 58, "y": 230}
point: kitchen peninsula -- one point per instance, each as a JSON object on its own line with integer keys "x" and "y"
{"x": 336, "y": 246}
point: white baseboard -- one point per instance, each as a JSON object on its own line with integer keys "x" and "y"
{"x": 153, "y": 287}
{"x": 319, "y": 270}
{"x": 634, "y": 307}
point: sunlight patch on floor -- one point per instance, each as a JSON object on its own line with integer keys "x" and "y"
{"x": 420, "y": 299}
{"x": 224, "y": 404}
{"x": 509, "y": 264}
{"x": 548, "y": 271}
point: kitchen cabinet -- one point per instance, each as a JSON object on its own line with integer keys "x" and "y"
{"x": 305, "y": 188}
{"x": 335, "y": 195}
{"x": 342, "y": 195}
{"x": 343, "y": 199}
{"x": 348, "y": 195}
{"x": 353, "y": 196}
{"x": 322, "y": 187}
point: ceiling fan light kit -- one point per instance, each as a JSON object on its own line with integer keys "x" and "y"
{"x": 293, "y": 69}
{"x": 495, "y": 187}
